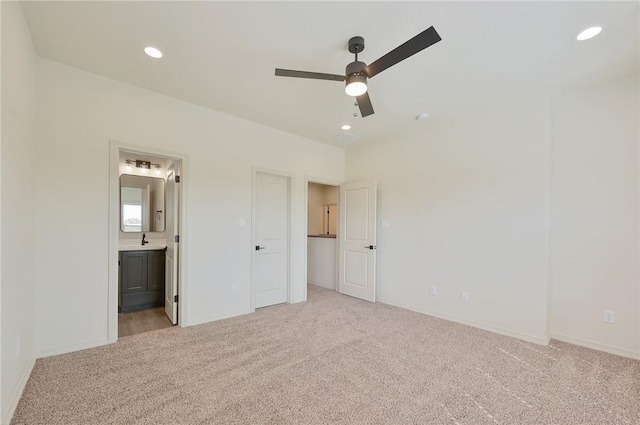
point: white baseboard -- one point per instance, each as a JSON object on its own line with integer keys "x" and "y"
{"x": 219, "y": 317}
{"x": 595, "y": 345}
{"x": 64, "y": 349}
{"x": 15, "y": 398}
{"x": 483, "y": 326}
{"x": 323, "y": 285}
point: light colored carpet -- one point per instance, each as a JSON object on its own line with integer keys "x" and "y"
{"x": 333, "y": 359}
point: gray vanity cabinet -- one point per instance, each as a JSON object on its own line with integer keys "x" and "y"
{"x": 141, "y": 279}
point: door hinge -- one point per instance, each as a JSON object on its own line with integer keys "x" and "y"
{"x": 118, "y": 262}
{"x": 177, "y": 179}
{"x": 175, "y": 298}
{"x": 176, "y": 238}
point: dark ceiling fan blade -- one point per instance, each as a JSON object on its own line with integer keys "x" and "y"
{"x": 364, "y": 103}
{"x": 420, "y": 42}
{"x": 305, "y": 74}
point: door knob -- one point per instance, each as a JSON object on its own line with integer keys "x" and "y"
{"x": 258, "y": 247}
{"x": 370, "y": 247}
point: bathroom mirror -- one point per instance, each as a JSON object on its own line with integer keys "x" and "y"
{"x": 141, "y": 204}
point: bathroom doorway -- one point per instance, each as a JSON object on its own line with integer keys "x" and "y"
{"x": 145, "y": 255}
{"x": 322, "y": 231}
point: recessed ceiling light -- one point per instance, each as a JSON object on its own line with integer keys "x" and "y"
{"x": 422, "y": 116}
{"x": 153, "y": 52}
{"x": 346, "y": 127}
{"x": 588, "y": 33}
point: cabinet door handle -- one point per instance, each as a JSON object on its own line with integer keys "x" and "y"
{"x": 258, "y": 247}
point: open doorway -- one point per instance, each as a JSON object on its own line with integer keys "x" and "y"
{"x": 147, "y": 209}
{"x": 322, "y": 231}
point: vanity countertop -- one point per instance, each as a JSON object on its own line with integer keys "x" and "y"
{"x": 322, "y": 236}
{"x": 136, "y": 245}
{"x": 147, "y": 247}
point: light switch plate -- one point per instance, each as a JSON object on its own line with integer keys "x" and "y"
{"x": 385, "y": 224}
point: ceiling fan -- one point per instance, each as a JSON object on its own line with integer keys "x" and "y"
{"x": 357, "y": 72}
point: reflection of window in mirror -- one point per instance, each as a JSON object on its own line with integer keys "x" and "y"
{"x": 330, "y": 219}
{"x": 131, "y": 209}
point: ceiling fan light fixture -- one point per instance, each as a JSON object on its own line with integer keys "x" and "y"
{"x": 356, "y": 85}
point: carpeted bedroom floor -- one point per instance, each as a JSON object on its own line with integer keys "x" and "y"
{"x": 331, "y": 360}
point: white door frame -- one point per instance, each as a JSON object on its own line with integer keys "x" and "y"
{"x": 290, "y": 177}
{"x": 307, "y": 180}
{"x": 114, "y": 229}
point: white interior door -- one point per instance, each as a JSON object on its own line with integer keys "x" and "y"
{"x": 271, "y": 252}
{"x": 172, "y": 210}
{"x": 357, "y": 239}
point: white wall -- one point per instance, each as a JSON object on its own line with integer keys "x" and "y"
{"x": 467, "y": 203}
{"x": 594, "y": 216}
{"x": 529, "y": 208}
{"x": 17, "y": 206}
{"x": 78, "y": 113}
{"x": 321, "y": 262}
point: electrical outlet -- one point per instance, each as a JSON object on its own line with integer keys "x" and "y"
{"x": 464, "y": 296}
{"x": 18, "y": 347}
{"x": 234, "y": 289}
{"x": 434, "y": 290}
{"x": 609, "y": 316}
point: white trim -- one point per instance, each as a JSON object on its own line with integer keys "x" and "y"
{"x": 548, "y": 233}
{"x": 255, "y": 170}
{"x": 318, "y": 180}
{"x": 479, "y": 325}
{"x": 17, "y": 394}
{"x": 64, "y": 349}
{"x": 114, "y": 227}
{"x": 112, "y": 297}
{"x": 595, "y": 345}
{"x": 221, "y": 317}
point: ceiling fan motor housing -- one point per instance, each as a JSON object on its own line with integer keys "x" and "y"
{"x": 354, "y": 68}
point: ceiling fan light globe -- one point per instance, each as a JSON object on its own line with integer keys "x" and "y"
{"x": 356, "y": 88}
{"x": 356, "y": 85}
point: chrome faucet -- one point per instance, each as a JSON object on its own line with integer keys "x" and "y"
{"x": 143, "y": 241}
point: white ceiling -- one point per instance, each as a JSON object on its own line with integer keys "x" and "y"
{"x": 222, "y": 55}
